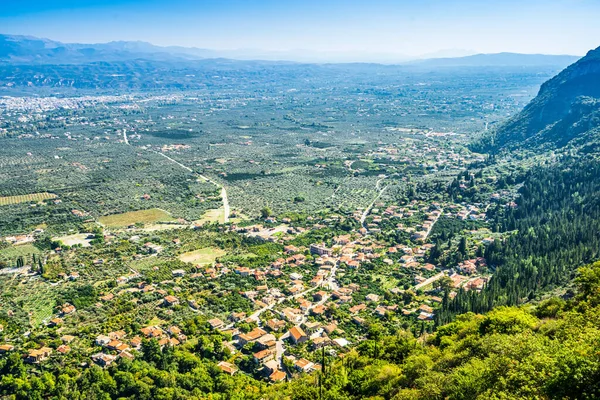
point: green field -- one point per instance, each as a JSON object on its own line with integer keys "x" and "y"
{"x": 26, "y": 198}
{"x": 214, "y": 215}
{"x": 203, "y": 256}
{"x": 142, "y": 216}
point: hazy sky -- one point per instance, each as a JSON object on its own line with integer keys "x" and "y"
{"x": 410, "y": 27}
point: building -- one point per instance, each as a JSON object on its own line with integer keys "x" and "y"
{"x": 320, "y": 249}
{"x": 38, "y": 355}
{"x": 304, "y": 365}
{"x": 277, "y": 376}
{"x": 372, "y": 297}
{"x": 250, "y": 337}
{"x": 63, "y": 349}
{"x": 103, "y": 360}
{"x": 171, "y": 301}
{"x": 216, "y": 323}
{"x": 275, "y": 324}
{"x": 297, "y": 335}
{"x": 5, "y": 348}
{"x": 263, "y": 356}
{"x": 228, "y": 368}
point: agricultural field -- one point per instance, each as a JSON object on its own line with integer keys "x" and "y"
{"x": 211, "y": 216}
{"x": 13, "y": 252}
{"x": 204, "y": 256}
{"x": 135, "y": 217}
{"x": 79, "y": 239}
{"x": 26, "y": 198}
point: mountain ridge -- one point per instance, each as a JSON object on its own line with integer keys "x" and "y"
{"x": 498, "y": 59}
{"x": 20, "y": 49}
{"x": 566, "y": 109}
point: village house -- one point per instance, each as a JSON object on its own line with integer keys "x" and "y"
{"x": 152, "y": 331}
{"x": 357, "y": 308}
{"x": 267, "y": 341}
{"x": 311, "y": 327}
{"x": 426, "y": 308}
{"x": 117, "y": 335}
{"x": 318, "y": 310}
{"x": 63, "y": 349}
{"x": 277, "y": 376}
{"x": 117, "y": 345}
{"x": 275, "y": 324}
{"x": 216, "y": 323}
{"x": 317, "y": 280}
{"x": 103, "y": 360}
{"x": 297, "y": 335}
{"x": 107, "y": 297}
{"x": 320, "y": 249}
{"x": 320, "y": 341}
{"x": 250, "y": 337}
{"x": 228, "y": 368}
{"x": 263, "y": 356}
{"x": 38, "y": 355}
{"x": 5, "y": 348}
{"x": 292, "y": 315}
{"x": 381, "y": 311}
{"x": 372, "y": 297}
{"x": 423, "y": 316}
{"x": 304, "y": 365}
{"x": 170, "y": 301}
{"x": 153, "y": 248}
{"x": 67, "y": 309}
{"x": 67, "y": 338}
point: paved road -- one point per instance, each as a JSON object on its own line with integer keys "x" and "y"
{"x": 429, "y": 281}
{"x": 366, "y": 212}
{"x": 431, "y": 227}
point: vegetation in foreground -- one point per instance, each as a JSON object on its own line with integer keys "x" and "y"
{"x": 543, "y": 352}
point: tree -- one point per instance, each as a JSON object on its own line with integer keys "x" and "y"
{"x": 266, "y": 212}
{"x": 462, "y": 246}
{"x": 151, "y": 351}
{"x": 444, "y": 283}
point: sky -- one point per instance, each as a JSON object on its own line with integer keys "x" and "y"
{"x": 393, "y": 27}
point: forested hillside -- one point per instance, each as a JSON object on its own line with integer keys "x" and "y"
{"x": 555, "y": 228}
{"x": 566, "y": 108}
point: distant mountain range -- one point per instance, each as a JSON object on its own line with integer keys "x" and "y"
{"x": 31, "y": 50}
{"x": 565, "y": 111}
{"x": 499, "y": 60}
